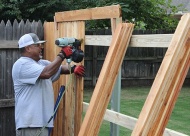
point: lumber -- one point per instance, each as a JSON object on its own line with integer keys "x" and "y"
{"x": 50, "y": 52}
{"x": 106, "y": 12}
{"x": 167, "y": 84}
{"x": 152, "y": 40}
{"x": 5, "y": 44}
{"x": 72, "y": 111}
{"x": 103, "y": 89}
{"x": 128, "y": 121}
{"x": 4, "y": 103}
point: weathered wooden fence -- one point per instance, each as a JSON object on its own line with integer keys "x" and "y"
{"x": 139, "y": 66}
{"x": 9, "y": 35}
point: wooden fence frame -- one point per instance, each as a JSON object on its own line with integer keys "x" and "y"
{"x": 97, "y": 40}
{"x": 84, "y": 130}
{"x": 134, "y": 43}
{"x": 153, "y": 40}
{"x": 128, "y": 121}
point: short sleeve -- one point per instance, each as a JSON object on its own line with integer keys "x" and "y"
{"x": 30, "y": 72}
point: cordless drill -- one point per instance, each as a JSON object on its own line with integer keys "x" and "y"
{"x": 78, "y": 54}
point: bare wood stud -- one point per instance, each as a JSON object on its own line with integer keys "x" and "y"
{"x": 106, "y": 12}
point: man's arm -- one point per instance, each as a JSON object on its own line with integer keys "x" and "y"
{"x": 53, "y": 67}
{"x": 77, "y": 70}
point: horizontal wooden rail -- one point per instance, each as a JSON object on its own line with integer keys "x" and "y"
{"x": 6, "y": 44}
{"x": 127, "y": 121}
{"x": 4, "y": 103}
{"x": 106, "y": 12}
{"x": 153, "y": 40}
{"x": 111, "y": 116}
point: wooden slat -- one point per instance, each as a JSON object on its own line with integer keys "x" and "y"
{"x": 168, "y": 82}
{"x": 15, "y": 30}
{"x": 154, "y": 40}
{"x": 106, "y": 12}
{"x": 50, "y": 54}
{"x": 4, "y": 103}
{"x": 74, "y": 94}
{"x": 5, "y": 44}
{"x": 128, "y": 121}
{"x": 102, "y": 92}
{"x": 8, "y": 31}
{"x": 80, "y": 33}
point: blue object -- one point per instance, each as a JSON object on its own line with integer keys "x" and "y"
{"x": 61, "y": 92}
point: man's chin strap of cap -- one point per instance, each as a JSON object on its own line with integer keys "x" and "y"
{"x": 59, "y": 97}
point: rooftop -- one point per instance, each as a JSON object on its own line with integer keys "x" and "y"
{"x": 185, "y": 5}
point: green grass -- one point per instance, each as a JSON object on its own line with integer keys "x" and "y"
{"x": 132, "y": 101}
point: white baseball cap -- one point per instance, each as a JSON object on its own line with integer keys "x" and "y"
{"x": 29, "y": 39}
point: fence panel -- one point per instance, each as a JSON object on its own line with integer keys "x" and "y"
{"x": 9, "y": 53}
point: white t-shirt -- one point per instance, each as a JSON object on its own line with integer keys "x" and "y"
{"x": 34, "y": 97}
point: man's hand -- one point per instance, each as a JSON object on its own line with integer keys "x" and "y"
{"x": 79, "y": 70}
{"x": 67, "y": 51}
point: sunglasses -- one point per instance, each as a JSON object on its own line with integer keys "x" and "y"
{"x": 41, "y": 45}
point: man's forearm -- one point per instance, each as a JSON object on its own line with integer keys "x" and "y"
{"x": 51, "y": 69}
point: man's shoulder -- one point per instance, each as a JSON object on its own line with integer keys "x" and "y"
{"x": 44, "y": 62}
{"x": 24, "y": 60}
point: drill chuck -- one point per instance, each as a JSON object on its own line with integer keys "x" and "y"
{"x": 61, "y": 42}
{"x": 78, "y": 54}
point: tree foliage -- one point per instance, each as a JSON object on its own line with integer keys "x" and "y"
{"x": 146, "y": 14}
{"x": 31, "y": 9}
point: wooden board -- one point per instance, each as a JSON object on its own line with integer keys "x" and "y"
{"x": 167, "y": 84}
{"x": 128, "y": 121}
{"x": 72, "y": 110}
{"x": 106, "y": 12}
{"x": 103, "y": 89}
{"x": 50, "y": 52}
{"x": 5, "y": 44}
{"x": 150, "y": 40}
{"x": 7, "y": 103}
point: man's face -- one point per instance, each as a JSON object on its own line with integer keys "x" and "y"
{"x": 36, "y": 51}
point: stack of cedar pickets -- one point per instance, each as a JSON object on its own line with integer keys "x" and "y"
{"x": 102, "y": 92}
{"x": 167, "y": 84}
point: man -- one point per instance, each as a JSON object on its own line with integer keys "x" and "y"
{"x": 32, "y": 78}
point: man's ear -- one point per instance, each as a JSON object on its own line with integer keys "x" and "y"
{"x": 27, "y": 48}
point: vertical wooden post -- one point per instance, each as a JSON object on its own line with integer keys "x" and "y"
{"x": 167, "y": 84}
{"x": 67, "y": 25}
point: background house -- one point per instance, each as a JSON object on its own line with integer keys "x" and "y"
{"x": 184, "y": 8}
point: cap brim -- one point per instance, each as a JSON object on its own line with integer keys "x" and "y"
{"x": 40, "y": 42}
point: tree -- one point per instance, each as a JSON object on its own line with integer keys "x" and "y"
{"x": 32, "y": 10}
{"x": 145, "y": 14}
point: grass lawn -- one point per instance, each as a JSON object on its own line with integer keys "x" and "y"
{"x": 132, "y": 101}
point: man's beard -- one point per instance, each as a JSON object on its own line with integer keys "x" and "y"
{"x": 40, "y": 56}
